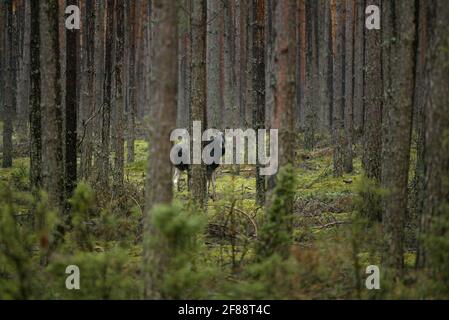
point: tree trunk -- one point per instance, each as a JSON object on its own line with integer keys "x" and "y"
{"x": 163, "y": 120}
{"x": 103, "y": 163}
{"x": 424, "y": 33}
{"x": 323, "y": 64}
{"x": 198, "y": 92}
{"x": 349, "y": 87}
{"x": 87, "y": 109}
{"x": 35, "y": 101}
{"x": 258, "y": 71}
{"x": 284, "y": 94}
{"x": 23, "y": 76}
{"x": 8, "y": 101}
{"x": 52, "y": 156}
{"x": 435, "y": 214}
{"x": 338, "y": 35}
{"x": 119, "y": 122}
{"x": 215, "y": 8}
{"x": 398, "y": 36}
{"x": 71, "y": 105}
{"x": 301, "y": 92}
{"x": 359, "y": 60}
{"x": 131, "y": 79}
{"x": 311, "y": 93}
{"x": 372, "y": 136}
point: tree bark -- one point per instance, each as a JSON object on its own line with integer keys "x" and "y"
{"x": 198, "y": 92}
{"x": 103, "y": 159}
{"x": 372, "y": 136}
{"x": 8, "y": 101}
{"x": 338, "y": 132}
{"x": 398, "y": 36}
{"x": 87, "y": 114}
{"x": 311, "y": 91}
{"x": 52, "y": 156}
{"x": 324, "y": 65}
{"x": 131, "y": 95}
{"x": 35, "y": 101}
{"x": 163, "y": 120}
{"x": 284, "y": 91}
{"x": 71, "y": 105}
{"x": 119, "y": 122}
{"x": 215, "y": 9}
{"x": 359, "y": 60}
{"x": 258, "y": 71}
{"x": 435, "y": 213}
{"x": 349, "y": 86}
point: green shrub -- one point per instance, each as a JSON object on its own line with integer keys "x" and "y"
{"x": 175, "y": 265}
{"x": 276, "y": 233}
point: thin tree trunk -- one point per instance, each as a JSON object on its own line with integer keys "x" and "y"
{"x": 198, "y": 92}
{"x": 215, "y": 9}
{"x": 119, "y": 123}
{"x": 310, "y": 106}
{"x": 23, "y": 84}
{"x": 349, "y": 87}
{"x": 71, "y": 105}
{"x": 8, "y": 103}
{"x": 359, "y": 60}
{"x": 323, "y": 64}
{"x": 35, "y": 101}
{"x": 338, "y": 33}
{"x": 131, "y": 95}
{"x": 103, "y": 163}
{"x": 372, "y": 136}
{"x": 87, "y": 109}
{"x": 258, "y": 71}
{"x": 99, "y": 76}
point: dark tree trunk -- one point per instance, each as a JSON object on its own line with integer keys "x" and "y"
{"x": 119, "y": 122}
{"x": 88, "y": 115}
{"x": 99, "y": 76}
{"x": 104, "y": 165}
{"x": 258, "y": 71}
{"x": 8, "y": 101}
{"x": 311, "y": 92}
{"x": 71, "y": 105}
{"x": 359, "y": 60}
{"x": 35, "y": 101}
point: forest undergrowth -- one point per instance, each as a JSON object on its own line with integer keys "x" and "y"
{"x": 218, "y": 254}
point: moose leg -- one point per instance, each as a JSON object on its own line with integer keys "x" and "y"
{"x": 176, "y": 175}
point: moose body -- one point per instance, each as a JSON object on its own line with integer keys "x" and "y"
{"x": 218, "y": 142}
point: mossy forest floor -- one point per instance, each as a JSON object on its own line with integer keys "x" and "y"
{"x": 330, "y": 253}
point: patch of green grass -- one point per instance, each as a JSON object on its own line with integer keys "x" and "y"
{"x": 136, "y": 170}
